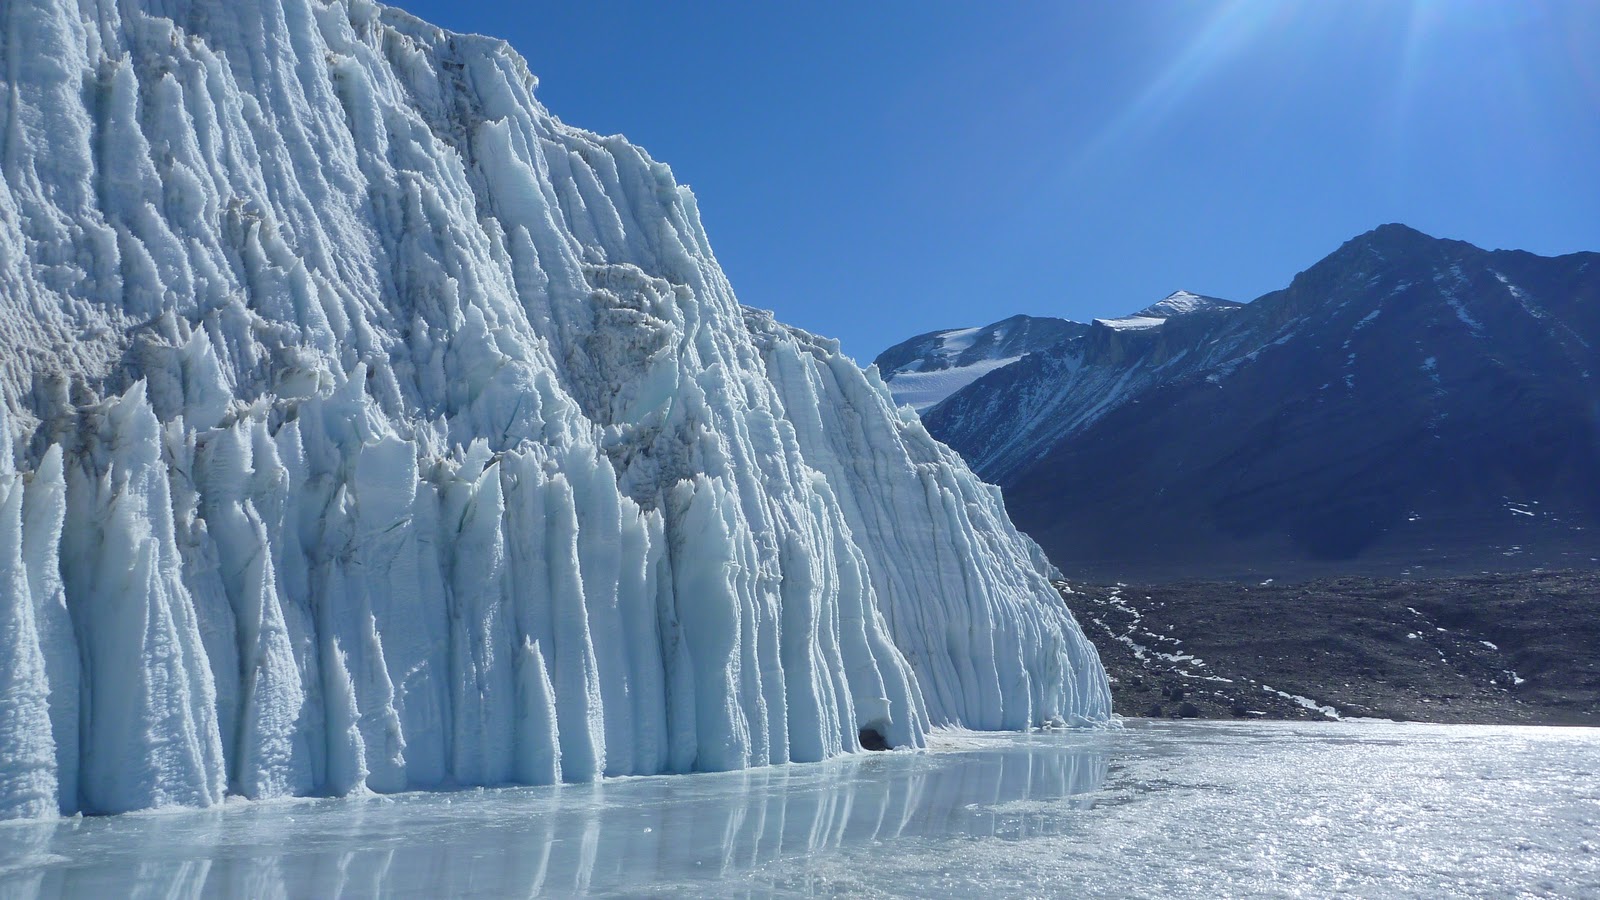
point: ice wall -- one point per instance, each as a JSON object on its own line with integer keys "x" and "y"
{"x": 368, "y": 428}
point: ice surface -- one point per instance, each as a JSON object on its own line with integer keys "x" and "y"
{"x": 367, "y": 428}
{"x": 1164, "y": 809}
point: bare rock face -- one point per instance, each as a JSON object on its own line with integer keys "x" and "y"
{"x": 1407, "y": 403}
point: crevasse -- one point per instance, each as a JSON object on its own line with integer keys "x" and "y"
{"x": 370, "y": 429}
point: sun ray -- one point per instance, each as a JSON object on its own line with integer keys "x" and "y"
{"x": 1233, "y": 24}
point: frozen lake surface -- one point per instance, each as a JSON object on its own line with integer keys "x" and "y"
{"x": 1157, "y": 809}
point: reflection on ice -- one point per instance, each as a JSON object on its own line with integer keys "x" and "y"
{"x": 620, "y": 834}
{"x": 1168, "y": 809}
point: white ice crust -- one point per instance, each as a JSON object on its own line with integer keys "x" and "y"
{"x": 370, "y": 429}
{"x": 924, "y": 390}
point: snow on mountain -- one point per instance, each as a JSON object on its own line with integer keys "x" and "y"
{"x": 1010, "y": 401}
{"x": 372, "y": 429}
{"x": 923, "y": 390}
{"x": 1175, "y": 304}
{"x": 1181, "y": 303}
{"x": 1398, "y": 398}
{"x": 928, "y": 368}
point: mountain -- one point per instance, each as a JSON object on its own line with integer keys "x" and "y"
{"x": 927, "y": 369}
{"x": 1407, "y": 402}
{"x": 368, "y": 428}
{"x": 1029, "y": 401}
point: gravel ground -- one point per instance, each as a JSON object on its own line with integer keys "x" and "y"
{"x": 1491, "y": 649}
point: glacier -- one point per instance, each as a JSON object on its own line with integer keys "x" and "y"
{"x": 369, "y": 429}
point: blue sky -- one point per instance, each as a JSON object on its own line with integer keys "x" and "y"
{"x": 873, "y": 171}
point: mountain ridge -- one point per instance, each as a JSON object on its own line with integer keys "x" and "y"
{"x": 925, "y": 370}
{"x": 1394, "y": 341}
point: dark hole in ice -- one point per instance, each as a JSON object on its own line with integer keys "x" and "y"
{"x": 872, "y": 739}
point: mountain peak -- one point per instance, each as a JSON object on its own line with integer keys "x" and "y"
{"x": 1397, "y": 229}
{"x": 1407, "y": 397}
{"x": 1180, "y": 303}
{"x": 1175, "y": 304}
{"x": 1394, "y": 237}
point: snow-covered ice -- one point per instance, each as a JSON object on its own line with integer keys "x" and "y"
{"x": 924, "y": 390}
{"x": 368, "y": 428}
{"x": 1132, "y": 323}
{"x": 1159, "y": 809}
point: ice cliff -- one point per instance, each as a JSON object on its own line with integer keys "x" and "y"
{"x": 370, "y": 429}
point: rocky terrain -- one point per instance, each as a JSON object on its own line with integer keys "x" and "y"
{"x": 1313, "y": 487}
{"x": 1488, "y": 649}
{"x": 1406, "y": 403}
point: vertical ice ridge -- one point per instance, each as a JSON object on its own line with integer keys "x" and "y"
{"x": 150, "y": 733}
{"x": 44, "y": 509}
{"x": 29, "y": 779}
{"x": 379, "y": 431}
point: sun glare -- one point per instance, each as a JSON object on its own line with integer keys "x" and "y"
{"x": 1233, "y": 25}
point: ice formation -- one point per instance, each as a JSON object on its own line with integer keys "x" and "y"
{"x": 371, "y": 429}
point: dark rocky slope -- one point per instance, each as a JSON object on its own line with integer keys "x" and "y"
{"x": 1406, "y": 405}
{"x": 1503, "y": 649}
{"x": 1409, "y": 416}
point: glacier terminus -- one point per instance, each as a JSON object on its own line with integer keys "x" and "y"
{"x": 369, "y": 429}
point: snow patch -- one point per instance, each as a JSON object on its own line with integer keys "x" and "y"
{"x": 1132, "y": 323}
{"x": 924, "y": 390}
{"x": 952, "y": 343}
{"x": 1306, "y": 702}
